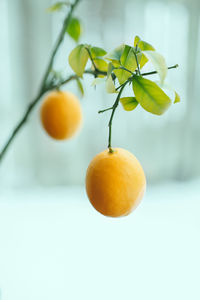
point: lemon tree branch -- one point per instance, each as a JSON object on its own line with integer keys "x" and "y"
{"x": 155, "y": 72}
{"x": 146, "y": 74}
{"x": 44, "y": 85}
{"x": 136, "y": 58}
{"x": 58, "y": 43}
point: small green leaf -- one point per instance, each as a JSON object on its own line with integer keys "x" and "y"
{"x": 96, "y": 56}
{"x": 78, "y": 59}
{"x": 136, "y": 40}
{"x": 177, "y": 98}
{"x": 115, "y": 55}
{"x": 110, "y": 69}
{"x": 98, "y": 81}
{"x": 57, "y": 6}
{"x": 144, "y": 46}
{"x": 128, "y": 61}
{"x": 150, "y": 96}
{"x": 129, "y": 103}
{"x": 128, "y": 58}
{"x": 80, "y": 86}
{"x": 110, "y": 87}
{"x": 74, "y": 29}
{"x": 158, "y": 62}
{"x": 96, "y": 52}
{"x": 143, "y": 61}
{"x": 101, "y": 64}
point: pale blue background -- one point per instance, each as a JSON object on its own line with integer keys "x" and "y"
{"x": 53, "y": 244}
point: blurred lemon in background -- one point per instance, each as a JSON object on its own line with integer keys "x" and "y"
{"x": 61, "y": 114}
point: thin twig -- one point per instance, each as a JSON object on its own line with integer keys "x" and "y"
{"x": 138, "y": 66}
{"x": 155, "y": 72}
{"x": 102, "y": 111}
{"x": 125, "y": 69}
{"x": 91, "y": 58}
{"x": 121, "y": 85}
{"x": 58, "y": 43}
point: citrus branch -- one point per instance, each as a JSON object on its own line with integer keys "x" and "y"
{"x": 136, "y": 58}
{"x": 58, "y": 43}
{"x": 146, "y": 74}
{"x": 44, "y": 86}
{"x": 103, "y": 110}
{"x": 155, "y": 72}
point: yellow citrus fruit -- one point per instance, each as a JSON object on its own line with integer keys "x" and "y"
{"x": 115, "y": 182}
{"x": 61, "y": 114}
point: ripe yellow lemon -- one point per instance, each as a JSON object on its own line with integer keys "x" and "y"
{"x": 115, "y": 182}
{"x": 61, "y": 114}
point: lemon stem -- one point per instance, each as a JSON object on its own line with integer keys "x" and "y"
{"x": 112, "y": 115}
{"x": 136, "y": 58}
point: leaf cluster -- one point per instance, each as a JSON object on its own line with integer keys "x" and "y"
{"x": 123, "y": 65}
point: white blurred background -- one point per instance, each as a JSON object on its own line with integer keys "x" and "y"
{"x": 53, "y": 245}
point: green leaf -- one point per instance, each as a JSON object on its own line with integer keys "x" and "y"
{"x": 115, "y": 55}
{"x": 110, "y": 69}
{"x": 78, "y": 59}
{"x": 158, "y": 62}
{"x": 74, "y": 29}
{"x": 128, "y": 61}
{"x": 150, "y": 96}
{"x": 101, "y": 64}
{"x": 144, "y": 46}
{"x": 169, "y": 88}
{"x": 136, "y": 40}
{"x": 129, "y": 103}
{"x": 177, "y": 98}
{"x": 110, "y": 87}
{"x": 96, "y": 52}
{"x": 96, "y": 56}
{"x": 57, "y": 6}
{"x": 80, "y": 86}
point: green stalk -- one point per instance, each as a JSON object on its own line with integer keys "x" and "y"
{"x": 112, "y": 115}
